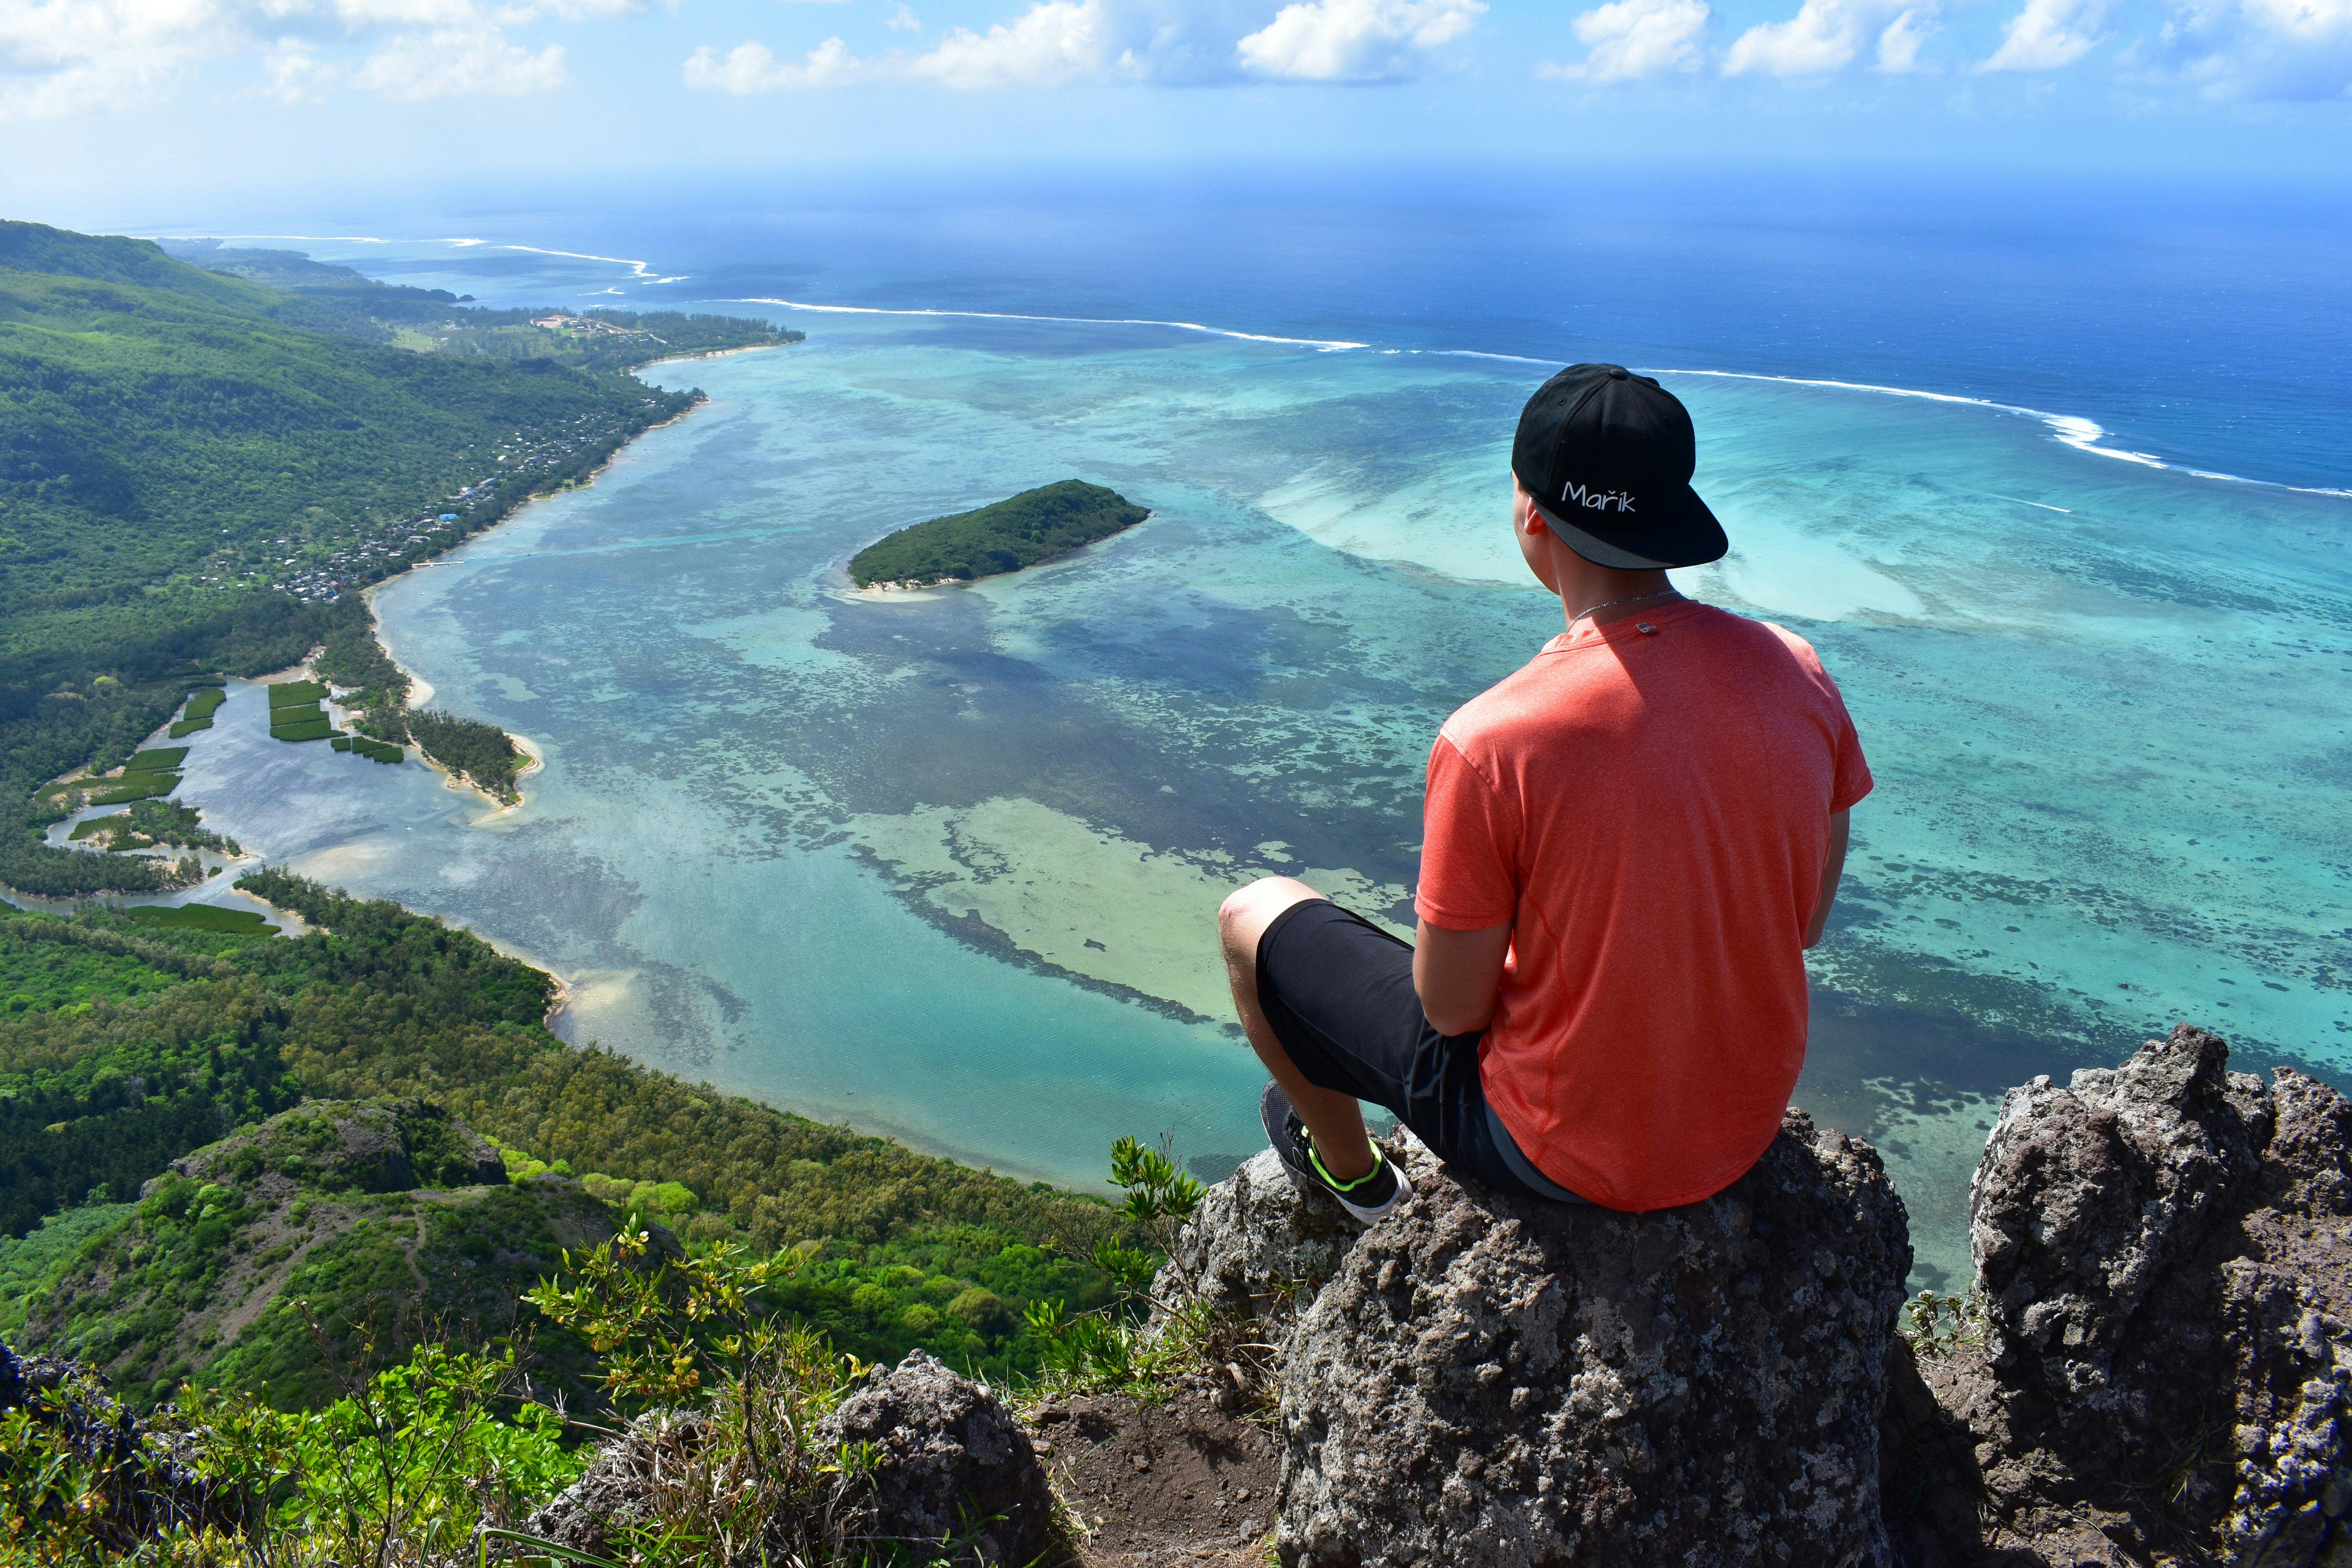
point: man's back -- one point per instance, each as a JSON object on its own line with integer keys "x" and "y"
{"x": 1648, "y": 802}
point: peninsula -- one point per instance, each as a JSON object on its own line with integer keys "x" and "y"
{"x": 207, "y": 462}
{"x": 1033, "y": 526}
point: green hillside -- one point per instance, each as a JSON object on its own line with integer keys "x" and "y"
{"x": 126, "y": 1046}
{"x": 198, "y": 470}
{"x": 1035, "y": 525}
{"x": 382, "y": 1217}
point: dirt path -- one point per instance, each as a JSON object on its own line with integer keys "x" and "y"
{"x": 1179, "y": 1483}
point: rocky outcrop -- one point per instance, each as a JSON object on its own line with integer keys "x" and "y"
{"x": 141, "y": 1486}
{"x": 956, "y": 1479}
{"x": 1257, "y": 1248}
{"x": 1483, "y": 1380}
{"x": 348, "y": 1146}
{"x": 618, "y": 1495}
{"x": 2160, "y": 1367}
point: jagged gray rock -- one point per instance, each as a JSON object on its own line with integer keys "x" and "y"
{"x": 2166, "y": 1263}
{"x": 1494, "y": 1382}
{"x": 1256, "y": 1247}
{"x": 617, "y": 1493}
{"x": 954, "y": 1467}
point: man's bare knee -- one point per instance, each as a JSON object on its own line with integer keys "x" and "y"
{"x": 1246, "y": 912}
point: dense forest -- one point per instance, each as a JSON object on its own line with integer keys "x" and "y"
{"x": 483, "y": 754}
{"x": 1033, "y": 526}
{"x": 124, "y": 1047}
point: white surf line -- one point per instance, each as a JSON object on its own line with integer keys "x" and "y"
{"x": 1325, "y": 345}
{"x": 2072, "y": 429}
{"x": 1479, "y": 353}
{"x": 315, "y": 238}
{"x": 636, "y": 268}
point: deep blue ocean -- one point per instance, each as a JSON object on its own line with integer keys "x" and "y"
{"x": 2056, "y": 480}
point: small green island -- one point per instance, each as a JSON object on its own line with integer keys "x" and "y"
{"x": 1035, "y": 525}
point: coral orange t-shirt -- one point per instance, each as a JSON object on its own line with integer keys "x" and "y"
{"x": 1649, "y": 810}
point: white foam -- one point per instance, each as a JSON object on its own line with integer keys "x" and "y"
{"x": 1327, "y": 346}
{"x": 637, "y": 269}
{"x": 1482, "y": 354}
{"x": 2072, "y": 429}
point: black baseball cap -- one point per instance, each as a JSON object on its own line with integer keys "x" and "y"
{"x": 1607, "y": 456}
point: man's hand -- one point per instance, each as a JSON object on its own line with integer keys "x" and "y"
{"x": 1456, "y": 973}
{"x": 1831, "y": 869}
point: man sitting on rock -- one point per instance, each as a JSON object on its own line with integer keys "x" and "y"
{"x": 1626, "y": 847}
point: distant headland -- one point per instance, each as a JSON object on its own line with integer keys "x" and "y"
{"x": 1033, "y": 526}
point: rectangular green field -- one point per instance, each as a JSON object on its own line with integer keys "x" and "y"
{"x": 162, "y": 760}
{"x": 135, "y": 786}
{"x": 293, "y": 693}
{"x": 204, "y": 916}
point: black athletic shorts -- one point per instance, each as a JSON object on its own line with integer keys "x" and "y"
{"x": 1338, "y": 992}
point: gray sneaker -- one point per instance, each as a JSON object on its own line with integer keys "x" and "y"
{"x": 1368, "y": 1198}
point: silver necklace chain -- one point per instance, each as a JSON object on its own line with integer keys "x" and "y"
{"x": 1612, "y": 603}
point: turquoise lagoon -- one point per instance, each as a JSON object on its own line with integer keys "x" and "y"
{"x": 945, "y": 865}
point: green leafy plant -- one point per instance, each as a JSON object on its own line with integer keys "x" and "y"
{"x": 1107, "y": 1347}
{"x": 731, "y": 1473}
{"x": 403, "y": 1469}
{"x": 1937, "y": 1325}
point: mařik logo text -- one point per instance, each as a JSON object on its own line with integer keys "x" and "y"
{"x": 1597, "y": 501}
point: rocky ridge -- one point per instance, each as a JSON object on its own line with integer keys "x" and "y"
{"x": 2161, "y": 1369}
{"x": 2154, "y": 1368}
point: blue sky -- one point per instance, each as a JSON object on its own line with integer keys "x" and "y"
{"x": 105, "y": 104}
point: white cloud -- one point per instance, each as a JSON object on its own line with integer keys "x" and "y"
{"x": 1054, "y": 44}
{"x": 2311, "y": 20}
{"x": 1898, "y": 45}
{"x": 749, "y": 67}
{"x": 2047, "y": 35}
{"x": 1629, "y": 40}
{"x": 2292, "y": 50}
{"x": 68, "y": 56}
{"x": 1063, "y": 43}
{"x": 295, "y": 74}
{"x": 1821, "y": 37}
{"x": 460, "y": 62}
{"x": 1357, "y": 41}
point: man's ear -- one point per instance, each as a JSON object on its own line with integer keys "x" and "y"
{"x": 1523, "y": 509}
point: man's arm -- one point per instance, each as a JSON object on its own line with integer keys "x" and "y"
{"x": 1832, "y": 868}
{"x": 1456, "y": 973}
